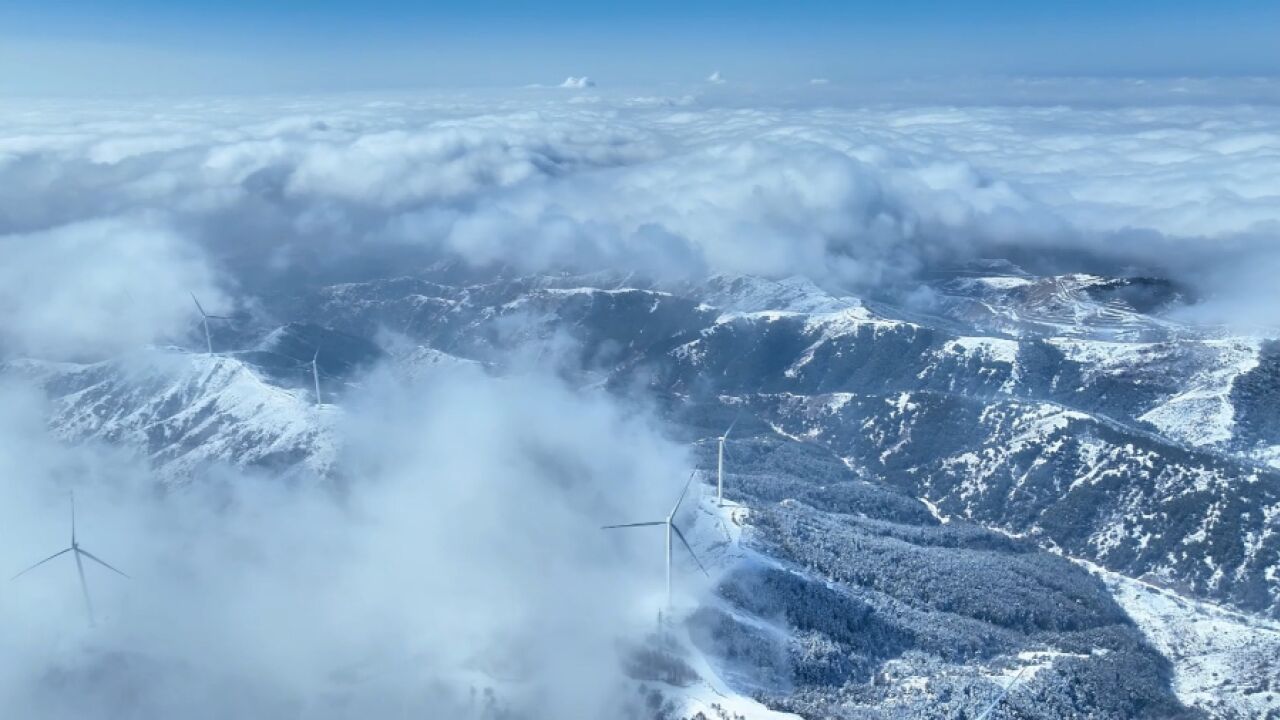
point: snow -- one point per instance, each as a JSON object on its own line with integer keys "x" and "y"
{"x": 185, "y": 410}
{"x": 902, "y": 403}
{"x": 1030, "y": 425}
{"x": 933, "y": 510}
{"x": 825, "y": 316}
{"x": 990, "y": 349}
{"x": 1057, "y": 305}
{"x": 1203, "y": 414}
{"x": 1029, "y": 664}
{"x": 765, "y": 315}
{"x": 421, "y": 361}
{"x": 1004, "y": 282}
{"x": 829, "y": 326}
{"x": 706, "y": 696}
{"x": 1225, "y": 663}
{"x": 1201, "y": 417}
{"x": 601, "y": 291}
{"x": 715, "y": 531}
{"x": 740, "y": 293}
{"x": 850, "y": 320}
{"x": 996, "y": 349}
{"x": 1101, "y": 357}
{"x": 837, "y": 401}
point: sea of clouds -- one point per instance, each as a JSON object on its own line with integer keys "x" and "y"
{"x": 215, "y": 195}
{"x": 464, "y": 545}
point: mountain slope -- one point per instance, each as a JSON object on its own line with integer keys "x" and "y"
{"x": 907, "y": 471}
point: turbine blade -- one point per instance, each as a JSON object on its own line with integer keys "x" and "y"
{"x": 100, "y": 561}
{"x": 735, "y": 422}
{"x": 683, "y": 492}
{"x": 643, "y": 524}
{"x": 198, "y": 305}
{"x": 72, "y": 493}
{"x": 690, "y": 549}
{"x": 218, "y": 317}
{"x": 994, "y": 703}
{"x": 33, "y": 567}
{"x": 84, "y": 587}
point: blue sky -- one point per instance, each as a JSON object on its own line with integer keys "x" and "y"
{"x": 80, "y": 46}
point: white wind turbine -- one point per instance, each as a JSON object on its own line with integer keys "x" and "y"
{"x": 205, "y": 318}
{"x": 669, "y": 522}
{"x": 720, "y": 461}
{"x": 77, "y": 551}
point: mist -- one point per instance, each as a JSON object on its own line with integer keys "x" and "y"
{"x": 95, "y": 288}
{"x": 456, "y": 569}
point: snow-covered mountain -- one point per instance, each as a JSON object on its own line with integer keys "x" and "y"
{"x": 913, "y": 479}
{"x": 186, "y": 411}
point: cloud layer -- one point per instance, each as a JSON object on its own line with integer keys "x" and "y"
{"x": 671, "y": 187}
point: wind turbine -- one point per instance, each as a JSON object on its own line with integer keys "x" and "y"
{"x": 205, "y": 318}
{"x": 720, "y": 461}
{"x": 669, "y": 522}
{"x": 78, "y": 551}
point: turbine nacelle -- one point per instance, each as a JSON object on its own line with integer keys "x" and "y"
{"x": 204, "y": 319}
{"x": 720, "y": 460}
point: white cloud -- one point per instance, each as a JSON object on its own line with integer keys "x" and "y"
{"x": 578, "y": 83}
{"x": 819, "y": 81}
{"x": 715, "y": 79}
{"x": 761, "y": 207}
{"x": 100, "y": 287}
{"x": 841, "y": 194}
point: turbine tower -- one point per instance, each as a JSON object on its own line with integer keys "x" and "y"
{"x": 315, "y": 375}
{"x": 77, "y": 551}
{"x": 205, "y": 318}
{"x": 671, "y": 526}
{"x": 720, "y": 462}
